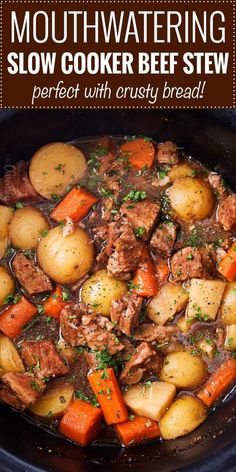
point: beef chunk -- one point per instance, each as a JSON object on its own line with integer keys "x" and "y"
{"x": 30, "y": 276}
{"x": 136, "y": 366}
{"x": 107, "y": 207}
{"x": 97, "y": 331}
{"x": 43, "y": 358}
{"x": 227, "y": 212}
{"x": 15, "y": 185}
{"x": 127, "y": 254}
{"x": 163, "y": 238}
{"x": 151, "y": 332}
{"x": 192, "y": 263}
{"x": 125, "y": 313}
{"x": 154, "y": 365}
{"x": 21, "y": 390}
{"x": 168, "y": 153}
{"x": 81, "y": 327}
{"x": 217, "y": 183}
{"x": 70, "y": 323}
{"x": 142, "y": 216}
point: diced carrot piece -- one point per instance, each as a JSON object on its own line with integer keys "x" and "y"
{"x": 76, "y": 205}
{"x": 140, "y": 153}
{"x": 227, "y": 266}
{"x": 81, "y": 422}
{"x": 54, "y": 303}
{"x": 218, "y": 382}
{"x": 144, "y": 280}
{"x": 137, "y": 430}
{"x": 16, "y": 316}
{"x": 106, "y": 388}
{"x": 162, "y": 271}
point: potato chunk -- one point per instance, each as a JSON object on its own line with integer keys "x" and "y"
{"x": 55, "y": 166}
{"x": 204, "y": 299}
{"x": 180, "y": 171}
{"x": 191, "y": 199}
{"x": 65, "y": 259}
{"x": 27, "y": 227}
{"x": 100, "y": 290}
{"x": 6, "y": 215}
{"x": 10, "y": 361}
{"x": 184, "y": 415}
{"x": 150, "y": 401}
{"x": 183, "y": 369}
{"x": 171, "y": 299}
{"x": 7, "y": 284}
{"x": 228, "y": 306}
{"x": 54, "y": 402}
{"x": 230, "y": 338}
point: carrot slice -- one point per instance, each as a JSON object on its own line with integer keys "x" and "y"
{"x": 219, "y": 381}
{"x": 106, "y": 388}
{"x": 16, "y": 316}
{"x": 81, "y": 422}
{"x": 144, "y": 280}
{"x": 162, "y": 271}
{"x": 75, "y": 205}
{"x": 140, "y": 153}
{"x": 54, "y": 303}
{"x": 137, "y": 430}
{"x": 227, "y": 266}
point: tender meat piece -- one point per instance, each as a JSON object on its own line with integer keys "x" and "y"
{"x": 151, "y": 332}
{"x": 127, "y": 254}
{"x": 43, "y": 358}
{"x": 227, "y": 212}
{"x": 141, "y": 215}
{"x": 30, "y": 276}
{"x": 105, "y": 162}
{"x": 97, "y": 333}
{"x": 125, "y": 313}
{"x": 21, "y": 390}
{"x": 154, "y": 365}
{"x": 101, "y": 233}
{"x": 217, "y": 183}
{"x": 220, "y": 337}
{"x": 107, "y": 207}
{"x": 70, "y": 323}
{"x": 164, "y": 237}
{"x": 136, "y": 366}
{"x": 81, "y": 327}
{"x": 192, "y": 263}
{"x": 168, "y": 153}
{"x": 91, "y": 360}
{"x": 15, "y": 185}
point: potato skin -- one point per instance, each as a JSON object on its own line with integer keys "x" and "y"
{"x": 7, "y": 284}
{"x": 6, "y": 215}
{"x": 228, "y": 306}
{"x": 180, "y": 171}
{"x": 55, "y": 166}
{"x": 54, "y": 402}
{"x": 183, "y": 416}
{"x": 191, "y": 199}
{"x": 100, "y": 290}
{"x": 65, "y": 259}
{"x": 25, "y": 229}
{"x": 183, "y": 370}
{"x": 10, "y": 361}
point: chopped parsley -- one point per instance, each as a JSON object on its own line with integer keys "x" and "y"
{"x": 107, "y": 193}
{"x": 19, "y": 205}
{"x": 40, "y": 309}
{"x": 44, "y": 233}
{"x": 55, "y": 197}
{"x": 65, "y": 296}
{"x": 135, "y": 195}
{"x": 139, "y": 232}
{"x": 12, "y": 299}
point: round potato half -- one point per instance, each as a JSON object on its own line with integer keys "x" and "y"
{"x": 55, "y": 166}
{"x": 7, "y": 284}
{"x": 191, "y": 199}
{"x": 26, "y": 227}
{"x": 65, "y": 259}
{"x": 100, "y": 290}
{"x": 183, "y": 369}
